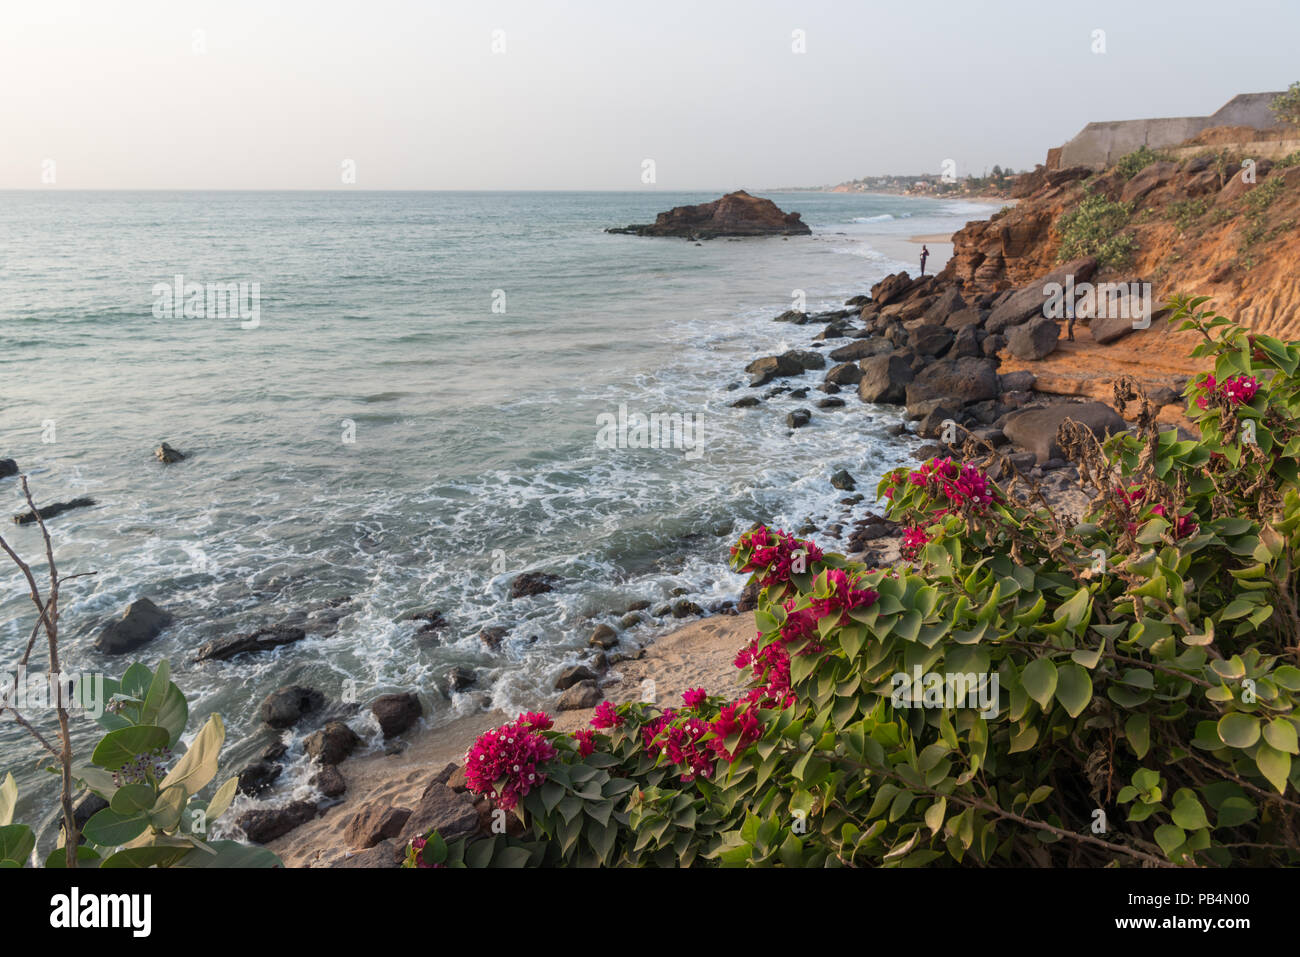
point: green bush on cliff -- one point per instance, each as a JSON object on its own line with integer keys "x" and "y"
{"x": 1025, "y": 689}
{"x": 1133, "y": 163}
{"x": 1095, "y": 228}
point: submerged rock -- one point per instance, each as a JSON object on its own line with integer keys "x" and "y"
{"x": 532, "y": 583}
{"x": 142, "y": 622}
{"x": 284, "y": 707}
{"x": 49, "y": 511}
{"x": 396, "y": 712}
{"x": 166, "y": 454}
{"x": 263, "y": 639}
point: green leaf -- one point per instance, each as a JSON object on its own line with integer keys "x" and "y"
{"x": 198, "y": 765}
{"x": 16, "y": 843}
{"x": 1280, "y": 734}
{"x": 1073, "y": 688}
{"x": 121, "y": 747}
{"x": 1039, "y": 680}
{"x": 230, "y": 854}
{"x": 132, "y": 799}
{"x": 1137, "y": 731}
{"x": 107, "y": 828}
{"x": 1170, "y": 838}
{"x": 221, "y": 800}
{"x": 8, "y": 798}
{"x": 1238, "y": 730}
{"x": 86, "y": 857}
{"x": 1275, "y": 765}
{"x": 1234, "y": 811}
{"x": 151, "y": 855}
{"x": 1189, "y": 815}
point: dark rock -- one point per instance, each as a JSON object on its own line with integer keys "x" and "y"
{"x": 266, "y": 824}
{"x": 264, "y": 639}
{"x": 806, "y": 358}
{"x": 584, "y": 694}
{"x": 1022, "y": 381}
{"x": 257, "y": 778}
{"x": 964, "y": 380}
{"x": 397, "y": 712}
{"x": 49, "y": 511}
{"x": 461, "y": 678}
{"x": 929, "y": 340}
{"x": 332, "y": 743}
{"x": 884, "y": 378}
{"x": 846, "y": 373}
{"x": 992, "y": 345}
{"x": 630, "y": 620}
{"x": 8, "y": 467}
{"x": 764, "y": 370}
{"x": 532, "y": 583}
{"x": 973, "y": 318}
{"x": 274, "y": 751}
{"x": 1146, "y": 180}
{"x": 374, "y": 823}
{"x": 492, "y": 636}
{"x": 965, "y": 343}
{"x": 571, "y": 676}
{"x": 843, "y": 480}
{"x": 860, "y": 349}
{"x": 283, "y": 707}
{"x": 385, "y": 854}
{"x": 792, "y": 315}
{"x": 683, "y": 608}
{"x": 329, "y": 781}
{"x": 1033, "y": 340}
{"x": 735, "y": 214}
{"x": 994, "y": 437}
{"x": 798, "y": 393}
{"x": 831, "y": 403}
{"x": 166, "y": 454}
{"x": 142, "y": 622}
{"x": 86, "y": 807}
{"x": 944, "y": 305}
{"x": 747, "y": 402}
{"x": 798, "y": 418}
{"x": 933, "y": 422}
{"x": 1035, "y": 429}
{"x": 1029, "y": 301}
{"x": 603, "y": 637}
{"x": 443, "y": 810}
{"x": 639, "y": 605}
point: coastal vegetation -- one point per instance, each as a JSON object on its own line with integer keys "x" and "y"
{"x": 1023, "y": 688}
{"x": 1096, "y": 228}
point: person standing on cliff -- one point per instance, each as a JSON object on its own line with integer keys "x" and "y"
{"x": 925, "y": 254}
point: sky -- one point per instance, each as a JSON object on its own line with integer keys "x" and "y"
{"x": 545, "y": 94}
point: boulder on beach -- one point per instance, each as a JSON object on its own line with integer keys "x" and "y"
{"x": 332, "y": 743}
{"x": 584, "y": 694}
{"x": 861, "y": 349}
{"x": 374, "y": 823}
{"x": 1035, "y": 429}
{"x": 142, "y": 622}
{"x": 885, "y": 377}
{"x": 967, "y": 379}
{"x": 735, "y": 214}
{"x": 1033, "y": 340}
{"x": 396, "y": 712}
{"x": 266, "y": 824}
{"x": 1021, "y": 305}
{"x": 441, "y": 809}
{"x": 8, "y": 467}
{"x": 766, "y": 369}
{"x": 257, "y": 777}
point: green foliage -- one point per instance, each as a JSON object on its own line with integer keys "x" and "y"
{"x": 1291, "y": 159}
{"x": 1095, "y": 228}
{"x": 1286, "y": 106}
{"x": 155, "y": 817}
{"x": 1257, "y": 228}
{"x": 1133, "y": 163}
{"x": 1185, "y": 212}
{"x": 1141, "y": 664}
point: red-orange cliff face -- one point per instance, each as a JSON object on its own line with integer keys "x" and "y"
{"x": 1199, "y": 226}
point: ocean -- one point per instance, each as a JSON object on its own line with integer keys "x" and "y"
{"x": 408, "y": 419}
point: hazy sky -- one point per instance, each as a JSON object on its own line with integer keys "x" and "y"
{"x": 276, "y": 95}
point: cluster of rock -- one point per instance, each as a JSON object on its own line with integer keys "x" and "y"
{"x": 735, "y": 214}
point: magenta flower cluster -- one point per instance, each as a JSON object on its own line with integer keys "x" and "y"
{"x": 1237, "y": 389}
{"x": 504, "y": 763}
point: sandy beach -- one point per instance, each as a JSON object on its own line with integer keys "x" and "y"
{"x": 699, "y": 654}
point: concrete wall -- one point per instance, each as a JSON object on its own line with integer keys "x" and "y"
{"x": 1100, "y": 144}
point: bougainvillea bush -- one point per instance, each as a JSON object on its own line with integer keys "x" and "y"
{"x": 1024, "y": 688}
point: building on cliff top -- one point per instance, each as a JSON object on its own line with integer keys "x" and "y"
{"x": 1098, "y": 145}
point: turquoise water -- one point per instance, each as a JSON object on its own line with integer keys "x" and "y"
{"x": 473, "y": 452}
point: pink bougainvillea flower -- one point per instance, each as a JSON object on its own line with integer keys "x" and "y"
{"x": 694, "y": 697}
{"x": 510, "y": 756}
{"x": 606, "y": 716}
{"x": 586, "y": 742}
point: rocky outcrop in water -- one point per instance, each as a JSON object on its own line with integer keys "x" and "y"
{"x": 142, "y": 622}
{"x": 735, "y": 214}
{"x": 49, "y": 511}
